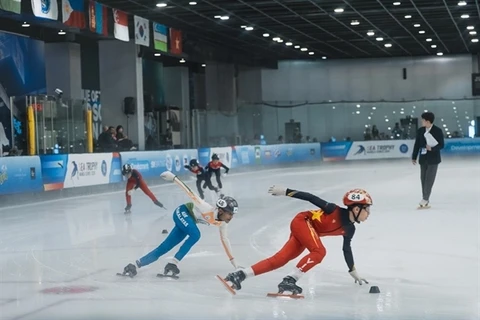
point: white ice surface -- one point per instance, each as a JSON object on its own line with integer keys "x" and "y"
{"x": 426, "y": 262}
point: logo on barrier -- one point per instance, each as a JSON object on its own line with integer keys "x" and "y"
{"x": 168, "y": 162}
{"x": 185, "y": 160}
{"x": 312, "y": 152}
{"x": 361, "y": 150}
{"x": 403, "y": 148}
{"x": 45, "y": 6}
{"x": 3, "y": 174}
{"x": 178, "y": 164}
{"x": 104, "y": 168}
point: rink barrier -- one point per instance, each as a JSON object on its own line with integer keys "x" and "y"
{"x": 63, "y": 172}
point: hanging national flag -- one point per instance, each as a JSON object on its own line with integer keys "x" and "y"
{"x": 73, "y": 13}
{"x": 47, "y": 9}
{"x": 160, "y": 37}
{"x": 142, "y": 31}
{"x": 97, "y": 18}
{"x": 11, "y": 5}
{"x": 121, "y": 25}
{"x": 175, "y": 41}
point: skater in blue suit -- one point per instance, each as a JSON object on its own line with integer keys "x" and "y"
{"x": 186, "y": 227}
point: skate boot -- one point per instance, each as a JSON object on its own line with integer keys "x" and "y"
{"x": 130, "y": 270}
{"x": 158, "y": 203}
{"x": 289, "y": 284}
{"x": 236, "y": 278}
{"x": 127, "y": 208}
{"x": 170, "y": 267}
{"x": 423, "y": 204}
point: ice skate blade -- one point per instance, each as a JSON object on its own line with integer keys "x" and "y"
{"x": 123, "y": 275}
{"x": 292, "y": 296}
{"x": 423, "y": 208}
{"x": 161, "y": 275}
{"x": 226, "y": 285}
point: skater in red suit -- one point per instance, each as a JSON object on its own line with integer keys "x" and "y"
{"x": 306, "y": 229}
{"x": 135, "y": 181}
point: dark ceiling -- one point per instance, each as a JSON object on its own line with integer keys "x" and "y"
{"x": 314, "y": 25}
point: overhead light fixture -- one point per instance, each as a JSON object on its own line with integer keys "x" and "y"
{"x": 304, "y": 49}
{"x": 266, "y": 35}
{"x": 182, "y": 60}
{"x": 311, "y": 53}
{"x": 388, "y": 45}
{"x": 297, "y": 47}
{"x": 204, "y": 65}
{"x": 192, "y": 3}
{"x": 396, "y": 3}
{"x": 249, "y": 28}
{"x": 429, "y": 40}
{"x": 161, "y": 5}
{"x": 473, "y": 33}
{"x": 288, "y": 44}
{"x": 417, "y": 25}
{"x": 276, "y": 39}
{"x": 279, "y": 40}
{"x": 470, "y": 27}
{"x": 224, "y": 17}
{"x": 25, "y": 25}
{"x": 217, "y": 17}
{"x": 156, "y": 54}
{"x": 370, "y": 33}
{"x": 421, "y": 31}
{"x": 243, "y": 27}
{"x": 338, "y": 10}
{"x": 62, "y": 33}
{"x": 464, "y": 16}
{"x": 408, "y": 16}
{"x": 324, "y": 58}
{"x": 433, "y": 46}
{"x": 354, "y": 23}
{"x": 379, "y": 39}
{"x": 474, "y": 40}
{"x": 439, "y": 53}
{"x": 462, "y": 3}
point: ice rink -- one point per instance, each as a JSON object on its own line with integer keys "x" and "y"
{"x": 58, "y": 259}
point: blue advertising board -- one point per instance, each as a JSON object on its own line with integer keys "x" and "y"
{"x": 244, "y": 156}
{"x": 289, "y": 153}
{"x": 335, "y": 151}
{"x": 152, "y": 163}
{"x": 20, "y": 174}
{"x": 461, "y": 146}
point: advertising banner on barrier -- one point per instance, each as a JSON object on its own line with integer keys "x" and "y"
{"x": 224, "y": 153}
{"x": 380, "y": 149}
{"x": 335, "y": 151}
{"x": 20, "y": 174}
{"x": 461, "y": 146}
{"x": 80, "y": 170}
{"x": 287, "y": 153}
{"x": 244, "y": 156}
{"x": 153, "y": 163}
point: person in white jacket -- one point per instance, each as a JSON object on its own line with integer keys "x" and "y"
{"x": 186, "y": 217}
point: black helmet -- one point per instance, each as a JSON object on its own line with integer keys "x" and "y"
{"x": 215, "y": 157}
{"x": 228, "y": 204}
{"x": 127, "y": 168}
{"x": 193, "y": 163}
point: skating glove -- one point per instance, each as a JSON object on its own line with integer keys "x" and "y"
{"x": 130, "y": 192}
{"x": 168, "y": 176}
{"x": 357, "y": 278}
{"x": 277, "y": 190}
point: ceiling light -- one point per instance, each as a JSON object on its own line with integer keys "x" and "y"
{"x": 429, "y": 40}
{"x": 161, "y": 4}
{"x": 217, "y": 17}
{"x": 324, "y": 58}
{"x": 379, "y": 39}
{"x": 157, "y": 54}
{"x": 192, "y": 3}
{"x": 224, "y": 17}
{"x": 25, "y": 25}
{"x": 204, "y": 65}
{"x": 370, "y": 33}
{"x": 61, "y": 32}
{"x": 297, "y": 47}
{"x": 421, "y": 32}
{"x": 279, "y": 40}
{"x": 470, "y": 27}
{"x": 288, "y": 44}
{"x": 408, "y": 16}
{"x": 396, "y": 3}
{"x": 311, "y": 53}
{"x": 473, "y": 32}
{"x": 243, "y": 27}
{"x": 276, "y": 39}
{"x": 182, "y": 60}
{"x": 249, "y": 28}
{"x": 388, "y": 45}
{"x": 266, "y": 35}
{"x": 338, "y": 10}
{"x": 439, "y": 53}
{"x": 464, "y": 16}
{"x": 304, "y": 49}
{"x": 433, "y": 46}
{"x": 354, "y": 23}
{"x": 462, "y": 3}
{"x": 474, "y": 40}
{"x": 416, "y": 25}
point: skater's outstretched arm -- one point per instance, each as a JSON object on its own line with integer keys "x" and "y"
{"x": 347, "y": 249}
{"x": 226, "y": 244}
{"x": 138, "y": 179}
{"x": 327, "y": 207}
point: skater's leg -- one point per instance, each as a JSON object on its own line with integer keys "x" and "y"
{"x": 217, "y": 176}
{"x": 208, "y": 182}
{"x": 130, "y": 186}
{"x": 193, "y": 237}
{"x": 147, "y": 191}
{"x": 199, "y": 188}
{"x": 174, "y": 238}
